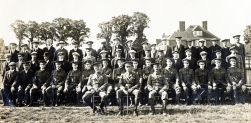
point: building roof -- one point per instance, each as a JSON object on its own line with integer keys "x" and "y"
{"x": 189, "y": 34}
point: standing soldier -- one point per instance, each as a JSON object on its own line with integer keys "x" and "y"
{"x": 55, "y": 84}
{"x": 19, "y": 64}
{"x": 201, "y": 48}
{"x": 128, "y": 85}
{"x": 192, "y": 61}
{"x": 13, "y": 52}
{"x": 143, "y": 59}
{"x": 65, "y": 65}
{"x": 213, "y": 48}
{"x": 224, "y": 64}
{"x": 179, "y": 47}
{"x": 239, "y": 58}
{"x": 72, "y": 84}
{"x": 89, "y": 56}
{"x": 167, "y": 49}
{"x": 40, "y": 78}
{"x": 219, "y": 80}
{"x": 61, "y": 48}
{"x": 130, "y": 48}
{"x": 75, "y": 58}
{"x": 192, "y": 48}
{"x": 225, "y": 49}
{"x": 96, "y": 85}
{"x": 103, "y": 48}
{"x": 10, "y": 85}
{"x": 49, "y": 66}
{"x": 34, "y": 65}
{"x": 50, "y": 49}
{"x": 24, "y": 84}
{"x": 77, "y": 50}
{"x": 5, "y": 64}
{"x": 177, "y": 62}
{"x": 132, "y": 55}
{"x": 157, "y": 85}
{"x": 92, "y": 51}
{"x": 239, "y": 46}
{"x": 116, "y": 75}
{"x": 26, "y": 52}
{"x": 203, "y": 80}
{"x": 187, "y": 81}
{"x": 38, "y": 50}
{"x": 154, "y": 51}
{"x": 161, "y": 59}
{"x": 136, "y": 69}
{"x": 116, "y": 46}
{"x": 236, "y": 77}
{"x": 172, "y": 78}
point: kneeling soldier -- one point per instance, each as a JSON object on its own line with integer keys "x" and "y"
{"x": 41, "y": 77}
{"x": 235, "y": 76}
{"x": 96, "y": 84}
{"x": 157, "y": 84}
{"x": 72, "y": 83}
{"x": 55, "y": 84}
{"x": 128, "y": 85}
{"x": 187, "y": 81}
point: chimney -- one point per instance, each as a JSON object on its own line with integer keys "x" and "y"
{"x": 204, "y": 24}
{"x": 182, "y": 26}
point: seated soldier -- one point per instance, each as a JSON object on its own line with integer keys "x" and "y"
{"x": 24, "y": 84}
{"x": 172, "y": 77}
{"x": 192, "y": 61}
{"x": 128, "y": 85}
{"x": 55, "y": 84}
{"x": 224, "y": 64}
{"x": 132, "y": 55}
{"x": 202, "y": 78}
{"x": 72, "y": 83}
{"x": 177, "y": 62}
{"x": 239, "y": 59}
{"x": 116, "y": 75}
{"x": 41, "y": 77}
{"x": 187, "y": 81}
{"x": 96, "y": 85}
{"x": 142, "y": 61}
{"x": 65, "y": 65}
{"x": 219, "y": 80}
{"x": 236, "y": 76}
{"x": 157, "y": 84}
{"x": 10, "y": 85}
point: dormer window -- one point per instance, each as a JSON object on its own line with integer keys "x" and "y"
{"x": 197, "y": 33}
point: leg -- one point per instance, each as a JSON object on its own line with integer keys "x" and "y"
{"x": 59, "y": 91}
{"x": 137, "y": 95}
{"x": 50, "y": 94}
{"x": 103, "y": 96}
{"x": 33, "y": 92}
{"x": 164, "y": 98}
{"x": 27, "y": 96}
{"x": 152, "y": 101}
{"x": 20, "y": 97}
{"x": 119, "y": 94}
{"x": 177, "y": 93}
{"x": 87, "y": 98}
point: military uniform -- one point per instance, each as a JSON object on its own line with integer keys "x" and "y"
{"x": 79, "y": 51}
{"x": 14, "y": 55}
{"x": 61, "y": 50}
{"x": 85, "y": 76}
{"x": 34, "y": 65}
{"x": 38, "y": 51}
{"x": 181, "y": 50}
{"x": 5, "y": 65}
{"x": 51, "y": 52}
{"x": 212, "y": 49}
{"x": 105, "y": 48}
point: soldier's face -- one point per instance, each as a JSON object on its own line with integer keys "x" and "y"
{"x": 201, "y": 43}
{"x": 178, "y": 41}
{"x": 46, "y": 58}
{"x": 88, "y": 65}
{"x": 35, "y": 45}
{"x": 75, "y": 46}
{"x": 12, "y": 46}
{"x": 20, "y": 58}
{"x": 96, "y": 68}
{"x": 202, "y": 65}
{"x": 74, "y": 66}
{"x": 233, "y": 62}
{"x": 120, "y": 63}
{"x": 148, "y": 63}
{"x": 213, "y": 42}
{"x": 132, "y": 55}
{"x": 169, "y": 63}
{"x": 237, "y": 39}
{"x": 186, "y": 64}
{"x": 48, "y": 42}
{"x": 105, "y": 63}
{"x": 33, "y": 56}
{"x": 128, "y": 68}
{"x": 58, "y": 66}
{"x": 217, "y": 63}
{"x": 12, "y": 67}
{"x": 89, "y": 45}
{"x": 224, "y": 43}
{"x": 135, "y": 64}
{"x": 218, "y": 54}
{"x": 203, "y": 56}
{"x": 103, "y": 55}
{"x": 26, "y": 67}
{"x": 188, "y": 54}
{"x": 147, "y": 53}
{"x": 88, "y": 53}
{"x": 175, "y": 55}
{"x": 61, "y": 45}
{"x": 156, "y": 68}
{"x": 42, "y": 66}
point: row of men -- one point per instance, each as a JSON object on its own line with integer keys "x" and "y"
{"x": 128, "y": 80}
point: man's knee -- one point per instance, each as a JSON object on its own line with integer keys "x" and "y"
{"x": 152, "y": 95}
{"x": 164, "y": 95}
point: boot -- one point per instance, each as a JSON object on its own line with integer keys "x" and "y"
{"x": 164, "y": 107}
{"x": 151, "y": 102}
{"x": 120, "y": 105}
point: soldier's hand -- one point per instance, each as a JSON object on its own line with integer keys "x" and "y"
{"x": 78, "y": 89}
{"x": 12, "y": 89}
{"x": 130, "y": 90}
{"x": 125, "y": 92}
{"x": 183, "y": 84}
{"x": 43, "y": 87}
{"x": 19, "y": 88}
{"x": 53, "y": 86}
{"x": 198, "y": 86}
{"x": 214, "y": 84}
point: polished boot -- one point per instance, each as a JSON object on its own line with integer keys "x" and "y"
{"x": 152, "y": 103}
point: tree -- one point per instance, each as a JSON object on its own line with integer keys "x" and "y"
{"x": 105, "y": 31}
{"x": 139, "y": 22}
{"x": 79, "y": 30}
{"x": 19, "y": 28}
{"x": 120, "y": 26}
{"x": 247, "y": 33}
{"x": 31, "y": 31}
{"x": 46, "y": 31}
{"x": 62, "y": 28}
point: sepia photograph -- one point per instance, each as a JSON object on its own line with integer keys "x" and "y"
{"x": 125, "y": 61}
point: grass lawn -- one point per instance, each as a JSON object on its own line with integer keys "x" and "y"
{"x": 180, "y": 114}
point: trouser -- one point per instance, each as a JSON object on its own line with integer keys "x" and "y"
{"x": 175, "y": 91}
{"x": 35, "y": 93}
{"x": 164, "y": 98}
{"x": 144, "y": 92}
{"x": 239, "y": 93}
{"x": 54, "y": 93}
{"x": 203, "y": 94}
{"x": 23, "y": 96}
{"x": 190, "y": 93}
{"x": 120, "y": 93}
{"x": 9, "y": 97}
{"x": 111, "y": 91}
{"x": 219, "y": 92}
{"x": 70, "y": 95}
{"x": 88, "y": 96}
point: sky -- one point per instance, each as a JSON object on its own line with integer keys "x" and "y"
{"x": 225, "y": 18}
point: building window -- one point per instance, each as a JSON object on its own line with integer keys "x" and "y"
{"x": 197, "y": 33}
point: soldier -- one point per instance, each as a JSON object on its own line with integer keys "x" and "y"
{"x": 236, "y": 77}
{"x": 154, "y": 51}
{"x": 77, "y": 50}
{"x": 201, "y": 48}
{"x": 167, "y": 49}
{"x": 224, "y": 64}
{"x": 239, "y": 46}
{"x": 34, "y": 65}
{"x": 146, "y": 71}
{"x": 50, "y": 49}
{"x": 213, "y": 48}
{"x": 40, "y": 79}
{"x": 179, "y": 47}
{"x": 130, "y": 48}
{"x": 96, "y": 85}
{"x": 37, "y": 49}
{"x": 203, "y": 55}
{"x": 48, "y": 64}
{"x": 203, "y": 80}
{"x": 187, "y": 80}
{"x": 73, "y": 84}
{"x": 161, "y": 59}
{"x": 219, "y": 80}
{"x": 75, "y": 58}
{"x": 115, "y": 60}
{"x": 26, "y": 52}
{"x": 132, "y": 55}
{"x": 128, "y": 85}
{"x": 65, "y": 65}
{"x": 116, "y": 46}
{"x": 24, "y": 84}
{"x": 172, "y": 78}
{"x": 239, "y": 59}
{"x": 225, "y": 49}
{"x": 192, "y": 48}
{"x": 116, "y": 75}
{"x": 92, "y": 51}
{"x": 61, "y": 48}
{"x": 13, "y": 52}
{"x": 157, "y": 84}
{"x": 136, "y": 69}
{"x": 89, "y": 56}
{"x": 177, "y": 62}
{"x": 143, "y": 59}
{"x": 55, "y": 84}
{"x": 192, "y": 61}
{"x": 103, "y": 48}
{"x": 10, "y": 85}
{"x": 5, "y": 64}
{"x": 19, "y": 65}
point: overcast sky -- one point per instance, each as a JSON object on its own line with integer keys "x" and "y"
{"x": 225, "y": 17}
